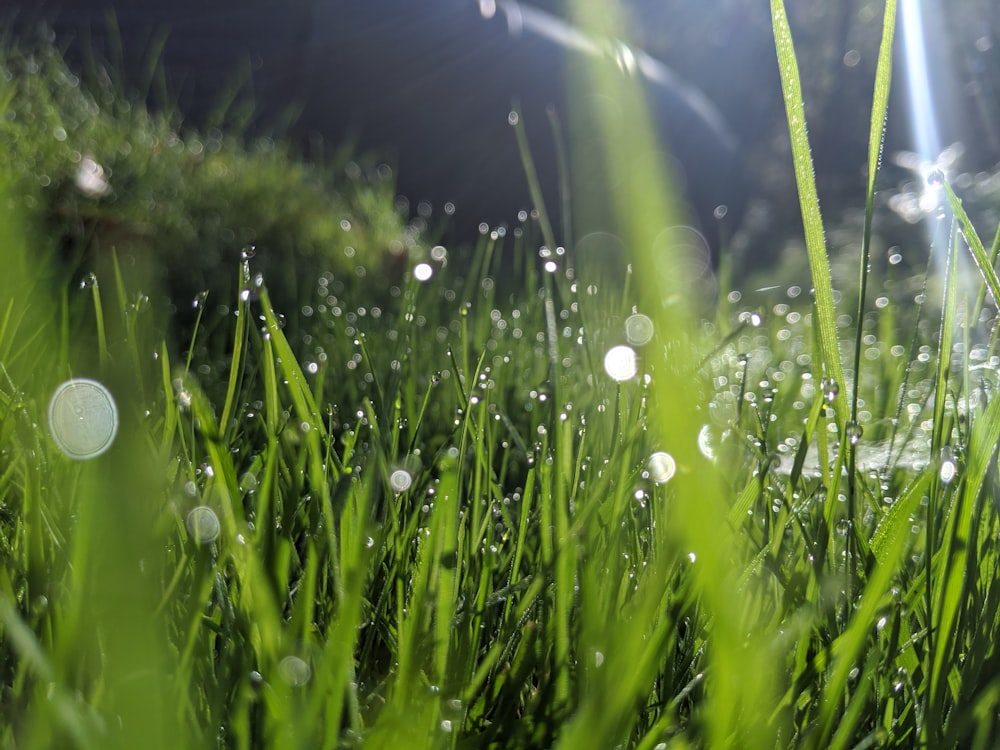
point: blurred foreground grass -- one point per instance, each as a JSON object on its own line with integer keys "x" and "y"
{"x": 419, "y": 511}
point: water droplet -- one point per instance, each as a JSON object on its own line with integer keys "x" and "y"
{"x": 854, "y": 432}
{"x": 83, "y": 418}
{"x": 202, "y": 525}
{"x": 949, "y": 468}
{"x": 830, "y": 389}
{"x": 248, "y": 483}
{"x": 935, "y": 177}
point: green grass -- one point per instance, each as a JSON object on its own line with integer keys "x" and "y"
{"x": 439, "y": 525}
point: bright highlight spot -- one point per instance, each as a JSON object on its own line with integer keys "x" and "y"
{"x": 621, "y": 363}
{"x": 423, "y": 272}
{"x": 661, "y": 467}
{"x": 706, "y": 442}
{"x": 202, "y": 525}
{"x": 83, "y": 418}
{"x": 91, "y": 179}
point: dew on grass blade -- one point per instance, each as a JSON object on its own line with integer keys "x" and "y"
{"x": 294, "y": 671}
{"x": 83, "y": 418}
{"x": 949, "y": 469}
{"x": 830, "y": 388}
{"x": 621, "y": 363}
{"x": 661, "y": 467}
{"x": 202, "y": 525}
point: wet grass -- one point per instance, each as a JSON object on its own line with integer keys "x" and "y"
{"x": 424, "y": 510}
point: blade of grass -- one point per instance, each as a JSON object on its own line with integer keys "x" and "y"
{"x": 812, "y": 219}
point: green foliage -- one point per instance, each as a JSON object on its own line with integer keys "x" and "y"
{"x": 441, "y": 522}
{"x": 117, "y": 179}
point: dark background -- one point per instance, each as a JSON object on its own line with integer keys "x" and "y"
{"x": 427, "y": 86}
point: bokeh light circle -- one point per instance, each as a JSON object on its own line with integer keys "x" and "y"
{"x": 203, "y": 525}
{"x": 400, "y": 480}
{"x": 294, "y": 671}
{"x": 83, "y": 418}
{"x": 639, "y": 329}
{"x": 621, "y": 363}
{"x": 661, "y": 467}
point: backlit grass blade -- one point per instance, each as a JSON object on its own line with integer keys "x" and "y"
{"x": 979, "y": 254}
{"x": 812, "y": 219}
{"x": 957, "y": 558}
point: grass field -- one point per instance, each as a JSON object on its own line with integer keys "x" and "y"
{"x": 383, "y": 499}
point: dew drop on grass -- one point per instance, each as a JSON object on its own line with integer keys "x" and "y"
{"x": 949, "y": 469}
{"x": 202, "y": 525}
{"x": 830, "y": 388}
{"x": 83, "y": 418}
{"x": 423, "y": 272}
{"x": 854, "y": 432}
{"x": 248, "y": 483}
{"x": 621, "y": 363}
{"x": 294, "y": 671}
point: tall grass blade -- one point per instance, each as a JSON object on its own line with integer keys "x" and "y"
{"x": 812, "y": 219}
